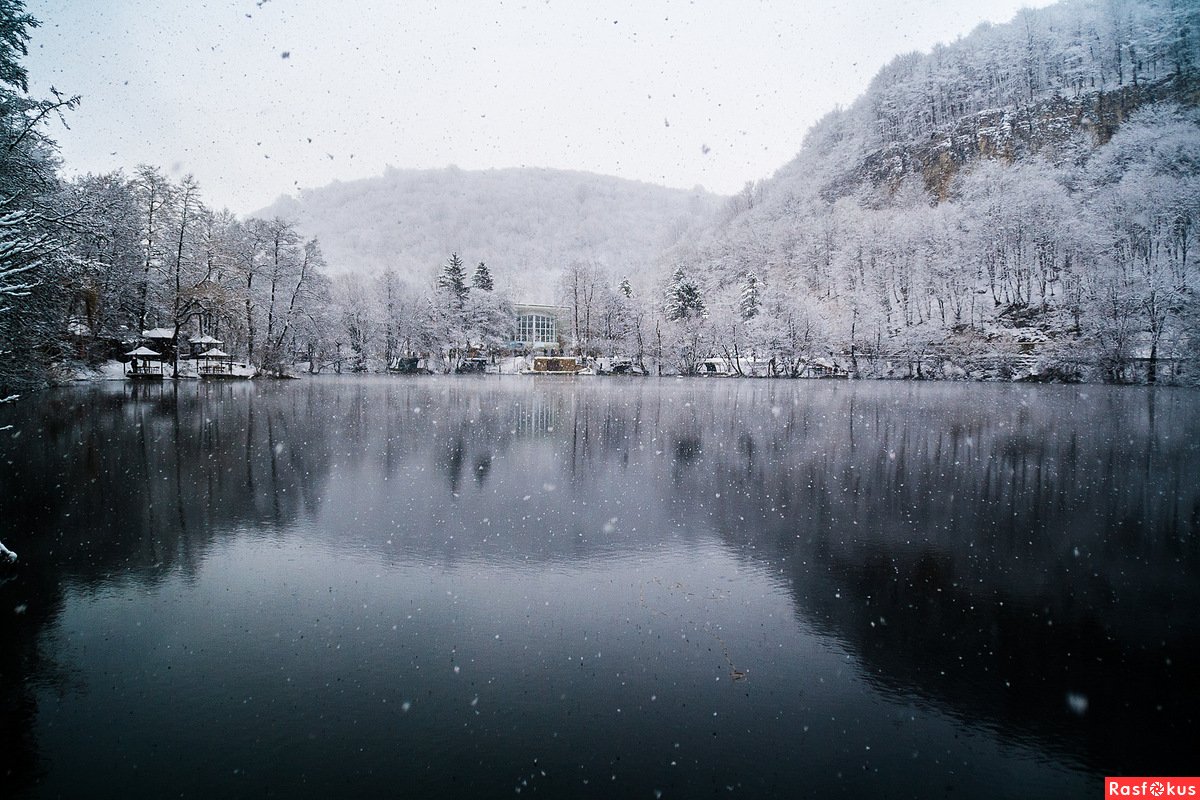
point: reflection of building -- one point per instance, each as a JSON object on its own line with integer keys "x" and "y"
{"x": 540, "y": 327}
{"x": 536, "y": 415}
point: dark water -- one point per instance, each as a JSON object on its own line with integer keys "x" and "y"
{"x": 597, "y": 588}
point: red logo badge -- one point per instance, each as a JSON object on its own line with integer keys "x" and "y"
{"x": 1152, "y": 787}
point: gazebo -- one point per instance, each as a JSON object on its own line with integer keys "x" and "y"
{"x": 202, "y": 342}
{"x": 222, "y": 368}
{"x": 150, "y": 368}
{"x": 164, "y": 340}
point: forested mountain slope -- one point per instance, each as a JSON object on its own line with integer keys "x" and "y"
{"x": 1023, "y": 200}
{"x": 526, "y": 224}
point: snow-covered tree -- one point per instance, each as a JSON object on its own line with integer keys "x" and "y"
{"x": 33, "y": 266}
{"x": 453, "y": 279}
{"x": 185, "y": 303}
{"x": 682, "y": 298}
{"x": 298, "y": 289}
{"x": 105, "y": 248}
{"x": 1147, "y": 215}
{"x": 749, "y": 299}
{"x": 489, "y": 321}
{"x": 315, "y": 319}
{"x": 482, "y": 279}
{"x": 579, "y": 289}
{"x": 355, "y": 334}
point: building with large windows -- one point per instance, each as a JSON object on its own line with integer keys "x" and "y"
{"x": 540, "y": 328}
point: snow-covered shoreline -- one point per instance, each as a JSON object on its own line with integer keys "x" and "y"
{"x": 115, "y": 371}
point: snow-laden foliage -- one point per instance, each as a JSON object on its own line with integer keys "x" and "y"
{"x": 682, "y": 300}
{"x": 1023, "y": 201}
{"x": 482, "y": 279}
{"x": 151, "y": 254}
{"x": 453, "y": 281}
{"x": 750, "y": 301}
{"x": 33, "y": 215}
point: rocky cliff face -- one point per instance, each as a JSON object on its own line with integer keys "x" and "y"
{"x": 1060, "y": 130}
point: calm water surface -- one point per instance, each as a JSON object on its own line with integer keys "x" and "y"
{"x": 597, "y": 588}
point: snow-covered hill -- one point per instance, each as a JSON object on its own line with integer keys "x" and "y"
{"x": 1031, "y": 190}
{"x": 526, "y": 224}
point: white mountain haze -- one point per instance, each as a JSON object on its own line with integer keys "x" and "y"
{"x": 526, "y": 224}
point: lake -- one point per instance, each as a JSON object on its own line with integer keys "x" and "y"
{"x": 500, "y": 586}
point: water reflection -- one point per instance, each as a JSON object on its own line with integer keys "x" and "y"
{"x": 1027, "y": 560}
{"x": 1022, "y": 561}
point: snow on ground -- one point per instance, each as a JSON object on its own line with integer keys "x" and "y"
{"x": 244, "y": 370}
{"x": 108, "y": 371}
{"x": 512, "y": 365}
{"x": 115, "y": 371}
{"x": 189, "y": 369}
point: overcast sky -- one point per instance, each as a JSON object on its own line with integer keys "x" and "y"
{"x": 259, "y": 99}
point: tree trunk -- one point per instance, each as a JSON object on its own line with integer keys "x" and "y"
{"x": 249, "y": 318}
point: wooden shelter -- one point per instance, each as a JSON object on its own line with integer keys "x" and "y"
{"x": 144, "y": 364}
{"x": 201, "y": 343}
{"x": 216, "y": 364}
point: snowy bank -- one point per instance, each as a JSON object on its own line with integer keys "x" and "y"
{"x": 115, "y": 371}
{"x": 70, "y": 372}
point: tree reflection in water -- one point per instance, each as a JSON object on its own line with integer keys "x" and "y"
{"x": 1022, "y": 559}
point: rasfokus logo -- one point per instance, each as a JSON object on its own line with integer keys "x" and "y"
{"x": 1152, "y": 787}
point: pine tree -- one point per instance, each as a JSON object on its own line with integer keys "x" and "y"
{"x": 671, "y": 304}
{"x": 750, "y": 302}
{"x": 482, "y": 279}
{"x": 625, "y": 288}
{"x": 454, "y": 279}
{"x": 682, "y": 297}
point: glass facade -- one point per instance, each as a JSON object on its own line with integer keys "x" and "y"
{"x": 533, "y": 328}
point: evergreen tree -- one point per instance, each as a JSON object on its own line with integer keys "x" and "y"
{"x": 750, "y": 302}
{"x": 454, "y": 280}
{"x": 625, "y": 288}
{"x": 482, "y": 279}
{"x": 682, "y": 297}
